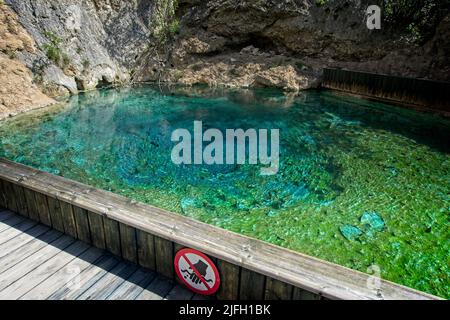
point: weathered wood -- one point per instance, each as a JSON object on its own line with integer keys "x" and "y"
{"x": 177, "y": 247}
{"x": 97, "y": 230}
{"x": 421, "y": 92}
{"x": 42, "y": 208}
{"x": 86, "y": 279}
{"x": 229, "y": 276}
{"x": 42, "y": 271}
{"x": 112, "y": 236}
{"x": 68, "y": 219}
{"x": 277, "y": 290}
{"x": 105, "y": 286}
{"x": 300, "y": 294}
{"x": 311, "y": 274}
{"x": 128, "y": 243}
{"x": 19, "y": 238}
{"x": 9, "y": 234}
{"x": 5, "y": 214}
{"x": 251, "y": 285}
{"x": 10, "y": 196}
{"x": 3, "y": 203}
{"x": 179, "y": 293}
{"x": 21, "y": 203}
{"x": 33, "y": 212}
{"x": 146, "y": 249}
{"x": 133, "y": 287}
{"x": 55, "y": 214}
{"x": 69, "y": 275}
{"x": 24, "y": 267}
{"x": 157, "y": 289}
{"x": 82, "y": 224}
{"x": 164, "y": 257}
{"x": 32, "y": 247}
{"x": 11, "y": 222}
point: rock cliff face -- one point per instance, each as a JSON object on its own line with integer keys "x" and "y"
{"x": 258, "y": 43}
{"x": 84, "y": 44}
{"x": 17, "y": 91}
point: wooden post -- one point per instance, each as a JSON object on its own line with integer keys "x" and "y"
{"x": 128, "y": 242}
{"x": 146, "y": 250}
{"x": 164, "y": 257}
{"x": 55, "y": 214}
{"x": 251, "y": 285}
{"x": 229, "y": 285}
{"x": 82, "y": 224}
{"x": 112, "y": 236}
{"x": 97, "y": 230}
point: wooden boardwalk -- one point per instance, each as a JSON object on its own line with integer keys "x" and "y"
{"x": 37, "y": 262}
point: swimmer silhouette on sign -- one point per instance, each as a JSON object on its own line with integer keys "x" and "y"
{"x": 201, "y": 267}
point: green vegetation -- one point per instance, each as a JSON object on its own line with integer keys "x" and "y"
{"x": 54, "y": 52}
{"x": 320, "y": 3}
{"x": 166, "y": 23}
{"x": 415, "y": 19}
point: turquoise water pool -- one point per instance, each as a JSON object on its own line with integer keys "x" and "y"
{"x": 362, "y": 184}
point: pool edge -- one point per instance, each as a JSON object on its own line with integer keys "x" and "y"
{"x": 149, "y": 236}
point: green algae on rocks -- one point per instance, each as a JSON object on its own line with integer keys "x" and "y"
{"x": 360, "y": 183}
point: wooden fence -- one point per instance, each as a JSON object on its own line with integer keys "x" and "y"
{"x": 150, "y": 237}
{"x": 407, "y": 91}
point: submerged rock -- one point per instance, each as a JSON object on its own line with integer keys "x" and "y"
{"x": 372, "y": 222}
{"x": 188, "y": 205}
{"x": 350, "y": 232}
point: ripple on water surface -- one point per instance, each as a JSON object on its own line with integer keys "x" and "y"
{"x": 360, "y": 183}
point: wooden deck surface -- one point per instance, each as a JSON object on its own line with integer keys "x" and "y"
{"x": 37, "y": 262}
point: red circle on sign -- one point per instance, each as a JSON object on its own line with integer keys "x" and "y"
{"x": 196, "y": 280}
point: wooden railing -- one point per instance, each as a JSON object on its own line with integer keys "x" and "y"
{"x": 150, "y": 237}
{"x": 432, "y": 95}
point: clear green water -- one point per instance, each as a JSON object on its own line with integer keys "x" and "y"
{"x": 360, "y": 183}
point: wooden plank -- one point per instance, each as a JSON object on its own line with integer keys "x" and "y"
{"x": 277, "y": 290}
{"x": 82, "y": 224}
{"x": 97, "y": 230}
{"x": 43, "y": 271}
{"x": 33, "y": 212}
{"x": 105, "y": 286}
{"x": 42, "y": 208}
{"x": 70, "y": 227}
{"x": 251, "y": 285}
{"x": 128, "y": 243}
{"x": 69, "y": 275}
{"x": 229, "y": 285}
{"x": 32, "y": 262}
{"x": 11, "y": 222}
{"x": 199, "y": 297}
{"x": 314, "y": 275}
{"x": 164, "y": 257}
{"x": 55, "y": 214}
{"x": 112, "y": 236}
{"x": 300, "y": 294}
{"x": 133, "y": 287}
{"x": 87, "y": 279}
{"x": 179, "y": 293}
{"x": 21, "y": 203}
{"x": 21, "y": 238}
{"x": 3, "y": 202}
{"x": 29, "y": 249}
{"x": 10, "y": 196}
{"x": 177, "y": 247}
{"x": 13, "y": 232}
{"x": 146, "y": 250}
{"x": 4, "y": 215}
{"x": 157, "y": 289}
